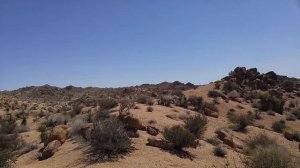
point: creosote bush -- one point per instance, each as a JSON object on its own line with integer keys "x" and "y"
{"x": 196, "y": 102}
{"x": 230, "y": 86}
{"x": 219, "y": 151}
{"x": 272, "y": 156}
{"x": 269, "y": 102}
{"x": 142, "y": 99}
{"x": 109, "y": 139}
{"x": 260, "y": 140}
{"x": 180, "y": 136}
{"x": 214, "y": 94}
{"x": 296, "y": 112}
{"x": 279, "y": 126}
{"x": 149, "y": 109}
{"x": 240, "y": 121}
{"x": 196, "y": 124}
{"x": 108, "y": 103}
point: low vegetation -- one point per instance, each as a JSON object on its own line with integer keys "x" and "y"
{"x": 279, "y": 126}
{"x": 219, "y": 151}
{"x": 180, "y": 136}
{"x": 196, "y": 124}
{"x": 240, "y": 121}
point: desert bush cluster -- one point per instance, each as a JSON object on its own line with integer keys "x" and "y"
{"x": 240, "y": 121}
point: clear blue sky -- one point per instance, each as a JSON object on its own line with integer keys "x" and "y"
{"x": 112, "y": 43}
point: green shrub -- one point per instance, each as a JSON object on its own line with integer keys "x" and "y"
{"x": 214, "y": 94}
{"x": 214, "y": 141}
{"x": 196, "y": 124}
{"x": 279, "y": 126}
{"x": 142, "y": 99}
{"x": 108, "y": 103}
{"x": 219, "y": 151}
{"x": 271, "y": 156}
{"x": 296, "y": 112}
{"x": 8, "y": 125}
{"x": 181, "y": 102}
{"x": 5, "y": 158}
{"x": 109, "y": 139}
{"x": 260, "y": 140}
{"x": 149, "y": 109}
{"x": 180, "y": 137}
{"x": 233, "y": 95}
{"x": 165, "y": 100}
{"x": 291, "y": 117}
{"x": 288, "y": 86}
{"x": 230, "y": 86}
{"x": 101, "y": 115}
{"x": 268, "y": 102}
{"x": 196, "y": 102}
{"x": 296, "y": 136}
{"x": 209, "y": 108}
{"x": 240, "y": 121}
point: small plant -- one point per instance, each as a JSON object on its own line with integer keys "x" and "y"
{"x": 149, "y": 109}
{"x": 279, "y": 126}
{"x": 196, "y": 124}
{"x": 165, "y": 100}
{"x": 271, "y": 102}
{"x": 240, "y": 121}
{"x": 142, "y": 99}
{"x": 180, "y": 137}
{"x": 260, "y": 140}
{"x": 296, "y": 136}
{"x": 291, "y": 117}
{"x": 109, "y": 139}
{"x": 270, "y": 156}
{"x": 233, "y": 95}
{"x": 296, "y": 112}
{"x": 214, "y": 141}
{"x": 8, "y": 125}
{"x": 108, "y": 103}
{"x": 230, "y": 86}
{"x": 288, "y": 86}
{"x": 196, "y": 102}
{"x": 219, "y": 151}
{"x": 41, "y": 114}
{"x": 101, "y": 115}
{"x": 214, "y": 94}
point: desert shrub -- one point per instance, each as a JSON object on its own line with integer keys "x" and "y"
{"x": 214, "y": 141}
{"x": 76, "y": 125}
{"x": 257, "y": 114}
{"x": 8, "y": 145}
{"x": 196, "y": 124}
{"x": 291, "y": 117}
{"x": 101, "y": 115}
{"x": 219, "y": 151}
{"x": 298, "y": 94}
{"x": 108, "y": 103}
{"x": 269, "y": 102}
{"x": 196, "y": 102}
{"x": 76, "y": 108}
{"x": 214, "y": 94}
{"x": 279, "y": 126}
{"x": 165, "y": 100}
{"x": 22, "y": 128}
{"x": 5, "y": 158}
{"x": 8, "y": 125}
{"x": 42, "y": 128}
{"x": 230, "y": 86}
{"x": 209, "y": 108}
{"x": 260, "y": 140}
{"x": 296, "y": 136}
{"x": 180, "y": 137}
{"x": 149, "y": 109}
{"x": 41, "y": 114}
{"x": 109, "y": 139}
{"x": 270, "y": 156}
{"x": 126, "y": 105}
{"x": 288, "y": 86}
{"x": 296, "y": 112}
{"x": 181, "y": 102}
{"x": 142, "y": 99}
{"x": 233, "y": 95}
{"x": 240, "y": 121}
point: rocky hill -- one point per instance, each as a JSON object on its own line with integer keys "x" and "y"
{"x": 246, "y": 119}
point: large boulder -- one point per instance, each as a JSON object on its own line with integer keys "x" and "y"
{"x": 59, "y": 133}
{"x": 50, "y": 149}
{"x": 159, "y": 143}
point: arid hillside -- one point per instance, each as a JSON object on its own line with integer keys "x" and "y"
{"x": 247, "y": 119}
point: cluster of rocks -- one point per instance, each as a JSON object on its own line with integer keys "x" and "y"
{"x": 252, "y": 78}
{"x": 56, "y": 137}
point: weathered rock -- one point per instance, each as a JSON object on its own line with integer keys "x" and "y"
{"x": 132, "y": 122}
{"x": 159, "y": 143}
{"x": 152, "y": 130}
{"x": 59, "y": 133}
{"x": 228, "y": 139}
{"x": 50, "y": 149}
